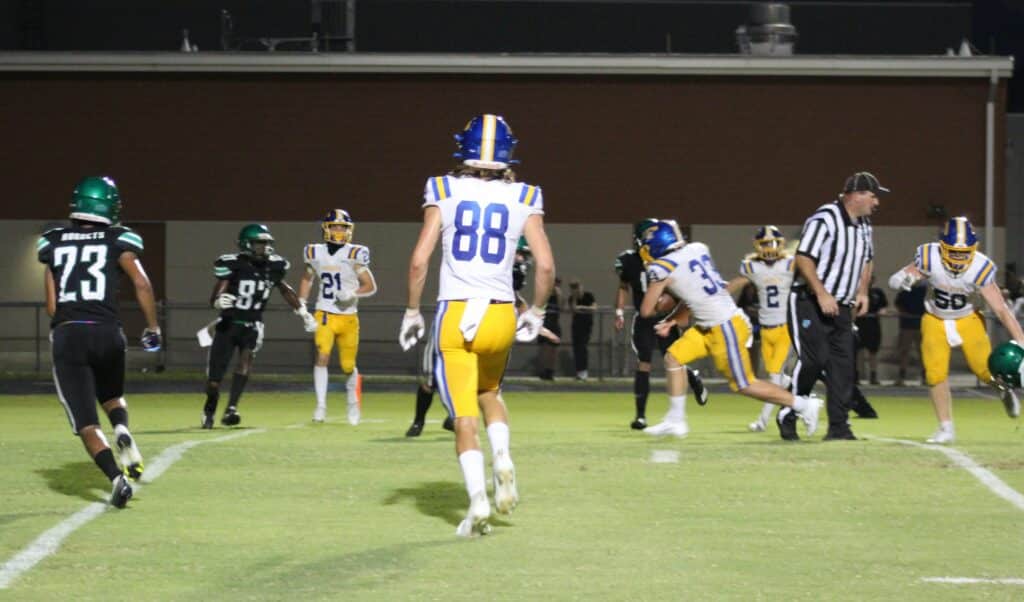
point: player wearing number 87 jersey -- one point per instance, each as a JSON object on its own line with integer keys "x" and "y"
{"x": 243, "y": 284}
{"x": 479, "y": 212}
{"x": 955, "y": 270}
{"x": 84, "y": 264}
{"x": 342, "y": 271}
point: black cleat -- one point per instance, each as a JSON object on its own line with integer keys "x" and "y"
{"x": 448, "y": 424}
{"x": 839, "y": 433}
{"x": 786, "y": 421}
{"x": 230, "y": 417}
{"x": 414, "y": 429}
{"x": 697, "y": 386}
{"x": 639, "y": 424}
{"x": 207, "y": 422}
{"x": 865, "y": 411}
{"x": 121, "y": 492}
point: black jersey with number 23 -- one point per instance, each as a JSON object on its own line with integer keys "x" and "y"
{"x": 85, "y": 268}
{"x": 250, "y": 280}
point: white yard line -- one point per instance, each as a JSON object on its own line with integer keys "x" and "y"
{"x": 664, "y": 456}
{"x": 987, "y": 478}
{"x": 49, "y": 542}
{"x": 973, "y": 580}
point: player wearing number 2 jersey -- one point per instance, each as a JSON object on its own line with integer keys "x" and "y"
{"x": 84, "y": 264}
{"x": 479, "y": 212}
{"x": 243, "y": 285}
{"x": 342, "y": 271}
{"x": 720, "y": 329}
{"x": 955, "y": 271}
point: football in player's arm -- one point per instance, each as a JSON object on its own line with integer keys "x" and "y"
{"x": 954, "y": 269}
{"x": 242, "y": 287}
{"x": 342, "y": 272}
{"x": 84, "y": 263}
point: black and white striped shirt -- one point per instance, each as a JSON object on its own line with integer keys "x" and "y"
{"x": 840, "y": 248}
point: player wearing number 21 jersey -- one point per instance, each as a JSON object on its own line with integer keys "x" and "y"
{"x": 955, "y": 271}
{"x": 342, "y": 272}
{"x": 720, "y": 329}
{"x": 479, "y": 212}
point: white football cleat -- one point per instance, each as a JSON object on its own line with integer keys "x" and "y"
{"x": 354, "y": 413}
{"x": 131, "y": 458}
{"x": 677, "y": 428}
{"x": 1010, "y": 402}
{"x": 506, "y": 496}
{"x": 757, "y": 426}
{"x": 810, "y": 415}
{"x": 319, "y": 414}
{"x": 475, "y": 522}
{"x": 942, "y": 436}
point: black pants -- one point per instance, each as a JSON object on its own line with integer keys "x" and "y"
{"x": 824, "y": 347}
{"x": 227, "y": 337}
{"x": 88, "y": 368}
{"x": 580, "y": 340}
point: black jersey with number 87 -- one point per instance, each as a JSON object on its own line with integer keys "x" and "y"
{"x": 250, "y": 280}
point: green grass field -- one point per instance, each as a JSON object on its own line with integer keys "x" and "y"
{"x": 301, "y": 511}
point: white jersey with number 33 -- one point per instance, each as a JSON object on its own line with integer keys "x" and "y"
{"x": 693, "y": 279}
{"x": 481, "y": 222}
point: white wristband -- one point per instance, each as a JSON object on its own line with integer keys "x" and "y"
{"x": 618, "y": 312}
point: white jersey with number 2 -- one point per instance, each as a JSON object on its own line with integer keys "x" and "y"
{"x": 481, "y": 222}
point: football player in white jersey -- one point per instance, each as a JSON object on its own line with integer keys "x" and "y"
{"x": 770, "y": 270}
{"x": 342, "y": 272}
{"x": 719, "y": 328}
{"x": 479, "y": 212}
{"x": 955, "y": 270}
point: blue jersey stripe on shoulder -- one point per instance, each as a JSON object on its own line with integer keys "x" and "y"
{"x": 522, "y": 194}
{"x": 447, "y": 190}
{"x": 983, "y": 273}
{"x": 433, "y": 186}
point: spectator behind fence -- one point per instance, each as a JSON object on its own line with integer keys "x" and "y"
{"x": 869, "y": 333}
{"x": 910, "y": 304}
{"x": 583, "y": 305}
{"x": 548, "y": 356}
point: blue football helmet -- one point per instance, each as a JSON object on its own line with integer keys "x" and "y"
{"x": 769, "y": 242}
{"x": 957, "y": 245}
{"x": 486, "y": 142}
{"x": 661, "y": 240}
{"x": 337, "y": 217}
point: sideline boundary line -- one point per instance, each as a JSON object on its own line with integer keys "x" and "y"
{"x": 50, "y": 540}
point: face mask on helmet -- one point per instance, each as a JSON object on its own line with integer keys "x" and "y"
{"x": 486, "y": 142}
{"x": 337, "y": 226}
{"x": 96, "y": 199}
{"x": 256, "y": 240}
{"x": 769, "y": 242}
{"x": 957, "y": 245}
{"x": 1006, "y": 363}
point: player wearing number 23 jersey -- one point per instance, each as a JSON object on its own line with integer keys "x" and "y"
{"x": 479, "y": 211}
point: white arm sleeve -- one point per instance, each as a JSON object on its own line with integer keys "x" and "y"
{"x": 901, "y": 280}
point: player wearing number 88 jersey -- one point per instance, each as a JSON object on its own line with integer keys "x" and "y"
{"x": 955, "y": 271}
{"x": 479, "y": 212}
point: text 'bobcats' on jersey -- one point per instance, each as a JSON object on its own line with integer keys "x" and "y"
{"x": 337, "y": 267}
{"x": 84, "y": 262}
{"x": 949, "y": 295}
{"x": 773, "y": 281}
{"x": 481, "y": 222}
{"x": 250, "y": 280}
{"x": 693, "y": 278}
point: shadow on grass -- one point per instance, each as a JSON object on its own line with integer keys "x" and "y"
{"x": 76, "y": 479}
{"x": 445, "y": 500}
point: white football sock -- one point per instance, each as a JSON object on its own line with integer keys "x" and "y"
{"x": 766, "y": 413}
{"x": 946, "y": 425}
{"x": 800, "y": 404}
{"x": 350, "y": 386}
{"x": 497, "y": 433}
{"x": 472, "y": 462}
{"x": 320, "y": 385}
{"x": 676, "y": 409}
{"x": 775, "y": 378}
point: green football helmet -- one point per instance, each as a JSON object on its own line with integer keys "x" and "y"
{"x": 1006, "y": 362}
{"x": 255, "y": 233}
{"x": 638, "y": 231}
{"x": 95, "y": 199}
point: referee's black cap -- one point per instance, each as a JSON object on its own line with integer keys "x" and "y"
{"x": 863, "y": 181}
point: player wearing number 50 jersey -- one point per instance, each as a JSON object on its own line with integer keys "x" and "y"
{"x": 243, "y": 285}
{"x": 84, "y": 264}
{"x": 479, "y": 212}
{"x": 720, "y": 329}
{"x": 955, "y": 271}
{"x": 342, "y": 271}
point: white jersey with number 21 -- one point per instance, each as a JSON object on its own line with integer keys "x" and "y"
{"x": 481, "y": 222}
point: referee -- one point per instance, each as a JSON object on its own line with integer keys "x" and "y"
{"x": 833, "y": 266}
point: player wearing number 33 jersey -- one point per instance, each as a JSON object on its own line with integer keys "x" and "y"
{"x": 955, "y": 271}
{"x": 479, "y": 211}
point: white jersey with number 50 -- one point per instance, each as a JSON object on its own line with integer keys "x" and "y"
{"x": 693, "y": 279}
{"x": 481, "y": 222}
